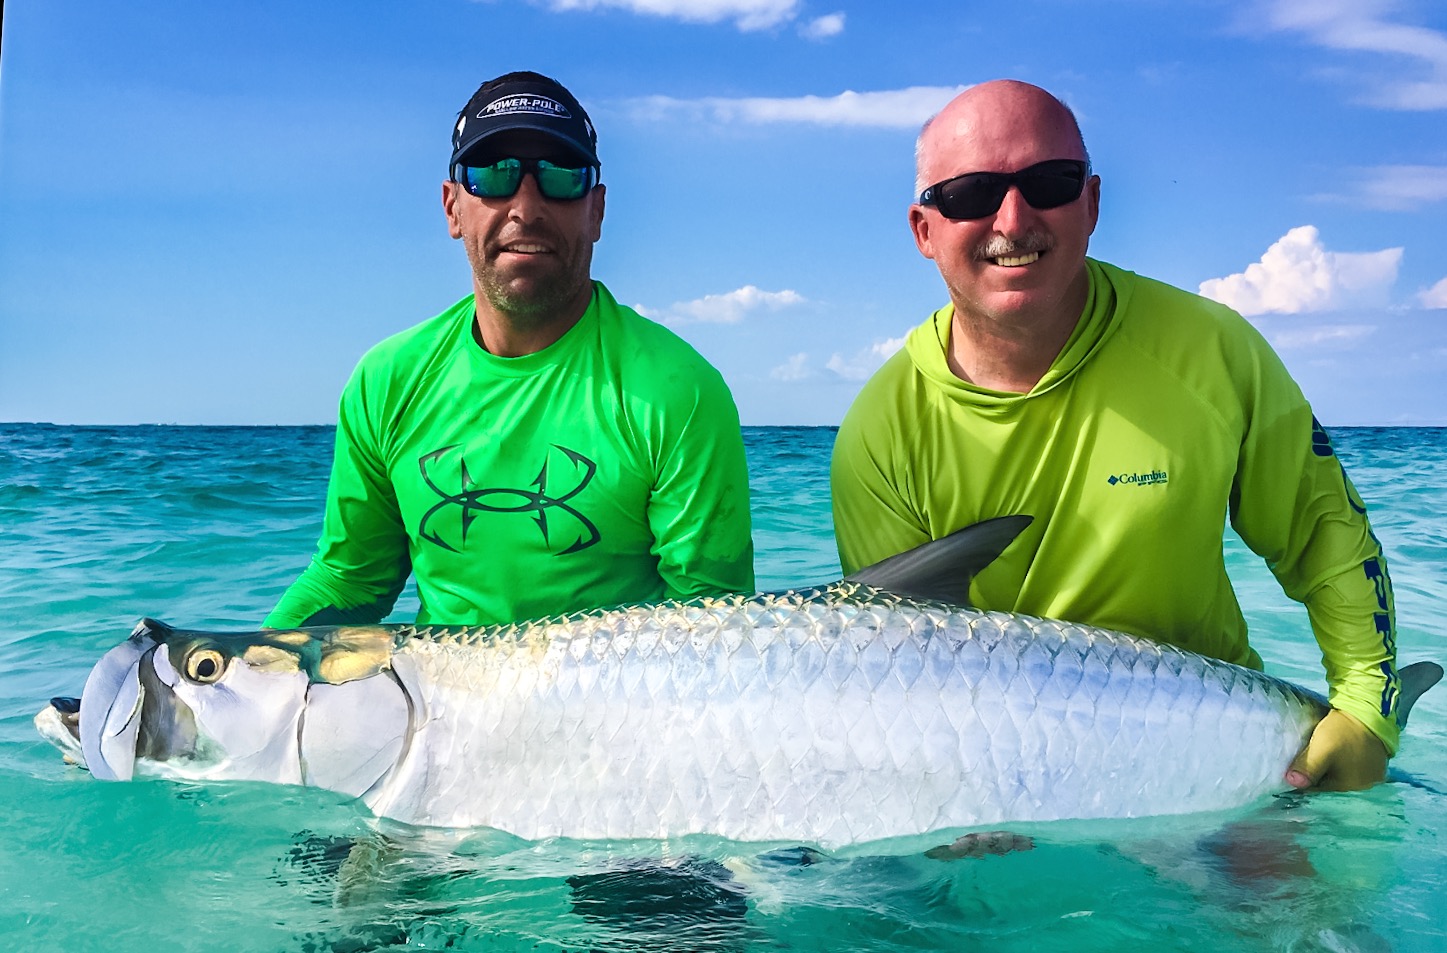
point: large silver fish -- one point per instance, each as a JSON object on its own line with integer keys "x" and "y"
{"x": 857, "y": 711}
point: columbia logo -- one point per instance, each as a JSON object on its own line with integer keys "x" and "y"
{"x": 1138, "y": 479}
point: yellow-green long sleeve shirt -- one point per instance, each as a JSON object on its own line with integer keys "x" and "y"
{"x": 606, "y": 468}
{"x": 1163, "y": 415}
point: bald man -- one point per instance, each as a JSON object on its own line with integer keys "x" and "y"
{"x": 1129, "y": 418}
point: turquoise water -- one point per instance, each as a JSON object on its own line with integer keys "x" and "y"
{"x": 206, "y": 526}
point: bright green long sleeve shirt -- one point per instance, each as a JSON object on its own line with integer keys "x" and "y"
{"x": 1163, "y": 415}
{"x": 607, "y": 468}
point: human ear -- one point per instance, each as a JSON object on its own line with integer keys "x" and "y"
{"x": 450, "y": 194}
{"x": 919, "y": 225}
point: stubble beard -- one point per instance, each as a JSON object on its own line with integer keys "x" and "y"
{"x": 536, "y": 303}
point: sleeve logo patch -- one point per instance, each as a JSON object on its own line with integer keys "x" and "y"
{"x": 1320, "y": 441}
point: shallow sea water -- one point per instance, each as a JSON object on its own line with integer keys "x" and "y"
{"x": 205, "y": 527}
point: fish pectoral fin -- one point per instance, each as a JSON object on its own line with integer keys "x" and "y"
{"x": 1416, "y": 679}
{"x": 943, "y": 568}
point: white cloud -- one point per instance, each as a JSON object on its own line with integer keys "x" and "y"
{"x": 796, "y": 368}
{"x": 865, "y": 362}
{"x": 1297, "y": 274}
{"x": 822, "y": 28}
{"x": 1402, "y": 187}
{"x": 1435, "y": 296}
{"x": 730, "y": 308}
{"x": 1418, "y": 80}
{"x": 890, "y": 109}
{"x": 746, "y": 14}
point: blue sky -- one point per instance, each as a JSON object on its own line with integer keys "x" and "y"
{"x": 209, "y": 211}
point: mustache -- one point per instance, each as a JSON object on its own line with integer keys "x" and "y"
{"x": 998, "y": 246}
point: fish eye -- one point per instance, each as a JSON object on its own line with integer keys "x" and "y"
{"x": 205, "y": 666}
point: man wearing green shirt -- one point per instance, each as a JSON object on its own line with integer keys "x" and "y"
{"x": 537, "y": 448}
{"x": 1128, "y": 418}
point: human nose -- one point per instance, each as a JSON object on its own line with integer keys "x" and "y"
{"x": 1015, "y": 215}
{"x": 528, "y": 201}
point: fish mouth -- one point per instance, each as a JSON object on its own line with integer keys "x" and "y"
{"x": 124, "y": 711}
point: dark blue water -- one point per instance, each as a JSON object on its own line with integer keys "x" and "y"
{"x": 206, "y": 526}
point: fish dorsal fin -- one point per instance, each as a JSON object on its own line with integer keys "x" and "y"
{"x": 942, "y": 568}
{"x": 1416, "y": 679}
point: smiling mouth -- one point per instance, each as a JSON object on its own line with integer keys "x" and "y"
{"x": 526, "y": 248}
{"x": 1019, "y": 252}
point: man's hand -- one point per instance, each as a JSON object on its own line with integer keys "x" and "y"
{"x": 1340, "y": 755}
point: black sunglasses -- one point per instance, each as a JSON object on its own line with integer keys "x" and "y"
{"x": 1048, "y": 184}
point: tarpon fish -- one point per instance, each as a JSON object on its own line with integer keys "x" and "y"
{"x": 875, "y": 707}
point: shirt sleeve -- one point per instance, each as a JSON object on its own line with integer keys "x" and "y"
{"x": 1294, "y": 505}
{"x": 362, "y": 559}
{"x": 698, "y": 511}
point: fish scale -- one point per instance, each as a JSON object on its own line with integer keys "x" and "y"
{"x": 827, "y": 715}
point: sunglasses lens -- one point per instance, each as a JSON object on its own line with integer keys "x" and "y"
{"x": 971, "y": 196}
{"x": 496, "y": 181}
{"x": 561, "y": 182}
{"x": 1052, "y": 184}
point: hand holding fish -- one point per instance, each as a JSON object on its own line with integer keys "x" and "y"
{"x": 1340, "y": 755}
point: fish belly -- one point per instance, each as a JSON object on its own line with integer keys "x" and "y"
{"x": 825, "y": 723}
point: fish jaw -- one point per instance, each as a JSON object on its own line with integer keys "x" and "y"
{"x": 110, "y": 710}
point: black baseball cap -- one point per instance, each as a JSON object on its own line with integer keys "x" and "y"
{"x": 524, "y": 102}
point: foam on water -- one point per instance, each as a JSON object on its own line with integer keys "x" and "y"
{"x": 206, "y": 526}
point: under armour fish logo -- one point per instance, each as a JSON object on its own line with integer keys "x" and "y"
{"x": 487, "y": 500}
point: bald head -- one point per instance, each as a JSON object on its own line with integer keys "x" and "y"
{"x": 993, "y": 121}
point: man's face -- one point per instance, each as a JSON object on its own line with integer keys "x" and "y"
{"x": 1019, "y": 262}
{"x": 530, "y": 255}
